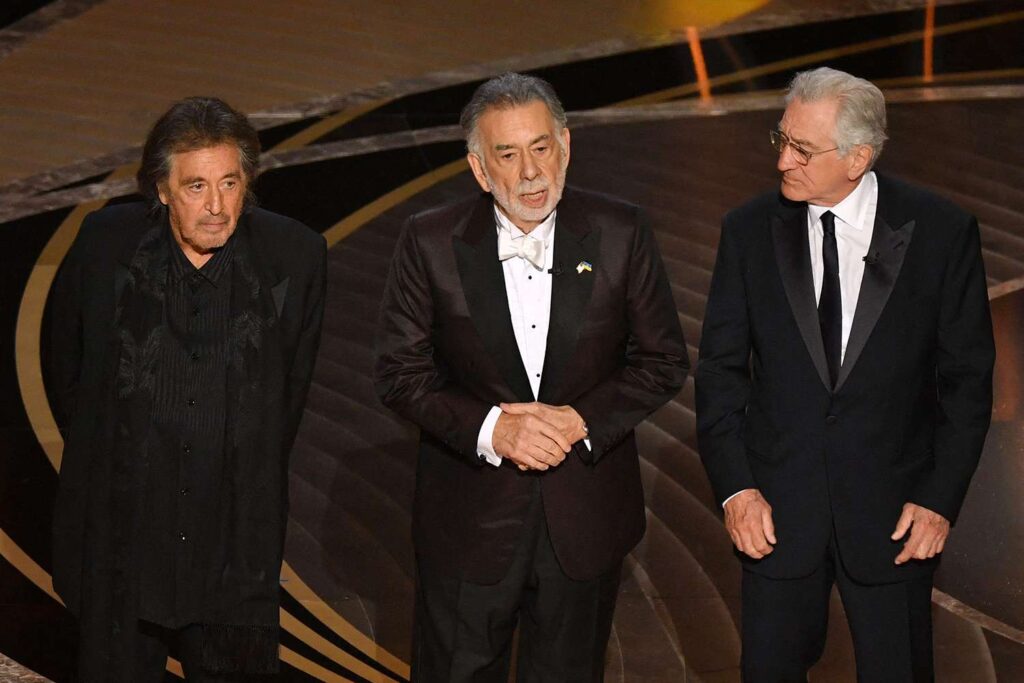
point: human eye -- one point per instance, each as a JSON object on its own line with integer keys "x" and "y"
{"x": 195, "y": 187}
{"x": 507, "y": 156}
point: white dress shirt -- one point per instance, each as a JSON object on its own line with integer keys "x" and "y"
{"x": 529, "y": 303}
{"x": 855, "y": 223}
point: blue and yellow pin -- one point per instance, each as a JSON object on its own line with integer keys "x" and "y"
{"x": 583, "y": 266}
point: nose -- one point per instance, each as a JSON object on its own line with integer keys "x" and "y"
{"x": 787, "y": 159}
{"x": 214, "y": 201}
{"x": 530, "y": 169}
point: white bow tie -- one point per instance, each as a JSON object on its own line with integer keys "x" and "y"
{"x": 529, "y": 248}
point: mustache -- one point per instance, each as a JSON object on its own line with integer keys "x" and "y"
{"x": 530, "y": 187}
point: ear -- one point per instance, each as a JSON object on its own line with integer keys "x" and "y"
{"x": 565, "y": 140}
{"x": 860, "y": 161}
{"x": 477, "y": 166}
{"x": 161, "y": 192}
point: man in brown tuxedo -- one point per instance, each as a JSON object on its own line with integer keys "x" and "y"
{"x": 527, "y": 332}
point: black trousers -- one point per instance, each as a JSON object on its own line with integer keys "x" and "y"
{"x": 156, "y": 642}
{"x": 785, "y": 620}
{"x": 464, "y": 631}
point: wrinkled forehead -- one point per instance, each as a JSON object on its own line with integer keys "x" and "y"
{"x": 811, "y": 122}
{"x": 218, "y": 159}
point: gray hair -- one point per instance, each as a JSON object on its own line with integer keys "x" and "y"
{"x": 504, "y": 92}
{"x": 860, "y": 119}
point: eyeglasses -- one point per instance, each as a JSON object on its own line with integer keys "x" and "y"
{"x": 803, "y": 156}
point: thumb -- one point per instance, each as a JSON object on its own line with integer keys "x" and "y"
{"x": 906, "y": 519}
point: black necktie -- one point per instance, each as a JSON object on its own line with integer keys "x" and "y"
{"x": 830, "y": 305}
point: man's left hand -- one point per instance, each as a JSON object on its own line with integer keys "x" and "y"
{"x": 564, "y": 418}
{"x": 928, "y": 533}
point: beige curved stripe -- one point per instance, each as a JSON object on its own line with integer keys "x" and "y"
{"x": 353, "y": 222}
{"x": 312, "y": 668}
{"x": 28, "y": 329}
{"x": 20, "y": 560}
{"x": 325, "y": 126}
{"x": 305, "y": 595}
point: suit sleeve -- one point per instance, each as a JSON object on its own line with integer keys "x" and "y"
{"x": 723, "y": 373}
{"x": 656, "y": 361}
{"x": 301, "y": 374}
{"x": 407, "y": 378}
{"x": 965, "y": 356}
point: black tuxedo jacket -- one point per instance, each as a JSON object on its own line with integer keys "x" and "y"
{"x": 908, "y": 416}
{"x": 447, "y": 354}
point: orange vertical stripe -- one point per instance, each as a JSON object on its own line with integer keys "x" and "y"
{"x": 929, "y": 40}
{"x": 698, "y": 63}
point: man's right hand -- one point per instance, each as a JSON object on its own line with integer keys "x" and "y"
{"x": 748, "y": 519}
{"x": 529, "y": 442}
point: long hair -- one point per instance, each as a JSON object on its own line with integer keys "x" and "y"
{"x": 191, "y": 124}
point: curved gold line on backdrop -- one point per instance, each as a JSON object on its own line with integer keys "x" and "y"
{"x": 29, "y": 323}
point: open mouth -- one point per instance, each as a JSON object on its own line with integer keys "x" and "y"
{"x": 534, "y": 198}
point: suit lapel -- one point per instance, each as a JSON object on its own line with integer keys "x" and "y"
{"x": 792, "y": 253}
{"x": 575, "y": 242}
{"x": 889, "y": 242}
{"x": 483, "y": 285}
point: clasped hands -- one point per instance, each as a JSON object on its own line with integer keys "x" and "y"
{"x": 748, "y": 519}
{"x": 536, "y": 436}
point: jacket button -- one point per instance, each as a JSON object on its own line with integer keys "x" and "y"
{"x": 831, "y": 420}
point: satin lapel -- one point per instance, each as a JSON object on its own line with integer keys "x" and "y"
{"x": 571, "y": 286}
{"x": 483, "y": 285}
{"x": 888, "y": 248}
{"x": 792, "y": 253}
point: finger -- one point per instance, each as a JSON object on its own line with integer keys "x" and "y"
{"x": 767, "y": 525}
{"x": 546, "y": 451}
{"x": 553, "y": 433}
{"x": 911, "y": 547}
{"x": 940, "y": 545}
{"x": 516, "y": 408}
{"x": 906, "y": 519}
{"x": 754, "y": 546}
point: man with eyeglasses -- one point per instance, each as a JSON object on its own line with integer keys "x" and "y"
{"x": 844, "y": 389}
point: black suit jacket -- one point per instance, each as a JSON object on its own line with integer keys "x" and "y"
{"x": 908, "y": 417}
{"x": 447, "y": 354}
{"x": 286, "y": 277}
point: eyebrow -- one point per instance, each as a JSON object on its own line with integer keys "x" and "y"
{"x": 198, "y": 179}
{"x": 539, "y": 138}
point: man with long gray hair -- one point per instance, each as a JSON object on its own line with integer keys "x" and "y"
{"x": 844, "y": 389}
{"x": 527, "y": 331}
{"x": 185, "y": 328}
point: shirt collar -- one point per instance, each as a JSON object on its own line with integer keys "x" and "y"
{"x": 542, "y": 232}
{"x": 853, "y": 209}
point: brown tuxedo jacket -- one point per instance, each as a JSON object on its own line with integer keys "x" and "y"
{"x": 447, "y": 354}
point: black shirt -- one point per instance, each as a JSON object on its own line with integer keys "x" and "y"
{"x": 186, "y": 440}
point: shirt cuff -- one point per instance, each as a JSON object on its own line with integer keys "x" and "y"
{"x": 731, "y": 497}
{"x": 484, "y": 440}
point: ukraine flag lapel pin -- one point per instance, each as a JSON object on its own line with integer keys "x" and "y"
{"x": 583, "y": 266}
